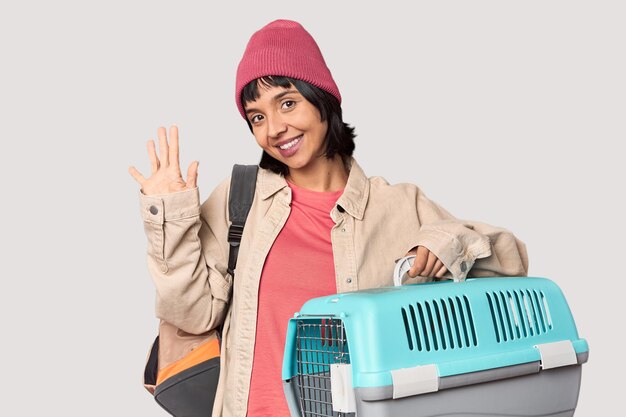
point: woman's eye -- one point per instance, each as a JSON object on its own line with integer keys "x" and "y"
{"x": 254, "y": 118}
{"x": 288, "y": 104}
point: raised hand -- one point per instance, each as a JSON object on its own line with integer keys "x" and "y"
{"x": 166, "y": 176}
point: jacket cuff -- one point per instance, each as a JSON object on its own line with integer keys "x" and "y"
{"x": 173, "y": 206}
{"x": 457, "y": 257}
{"x": 221, "y": 286}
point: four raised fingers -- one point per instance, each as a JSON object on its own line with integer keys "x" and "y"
{"x": 168, "y": 156}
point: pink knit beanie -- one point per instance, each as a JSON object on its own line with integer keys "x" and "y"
{"x": 283, "y": 47}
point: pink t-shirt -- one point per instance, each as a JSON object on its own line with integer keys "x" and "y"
{"x": 299, "y": 266}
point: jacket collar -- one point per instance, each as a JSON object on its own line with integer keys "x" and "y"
{"x": 354, "y": 197}
{"x": 270, "y": 183}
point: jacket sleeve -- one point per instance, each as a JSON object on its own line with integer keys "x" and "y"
{"x": 468, "y": 248}
{"x": 187, "y": 257}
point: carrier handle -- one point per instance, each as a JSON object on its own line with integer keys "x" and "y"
{"x": 403, "y": 265}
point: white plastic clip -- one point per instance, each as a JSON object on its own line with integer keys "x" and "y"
{"x": 557, "y": 354}
{"x": 415, "y": 381}
{"x": 341, "y": 389}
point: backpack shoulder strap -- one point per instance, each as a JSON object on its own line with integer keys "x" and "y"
{"x": 242, "y": 186}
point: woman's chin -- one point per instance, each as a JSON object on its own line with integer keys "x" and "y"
{"x": 296, "y": 161}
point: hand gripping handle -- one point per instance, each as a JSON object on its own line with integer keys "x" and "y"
{"x": 403, "y": 266}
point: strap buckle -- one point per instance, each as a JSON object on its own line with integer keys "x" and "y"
{"x": 235, "y": 231}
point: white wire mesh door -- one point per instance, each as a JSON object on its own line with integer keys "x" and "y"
{"x": 319, "y": 343}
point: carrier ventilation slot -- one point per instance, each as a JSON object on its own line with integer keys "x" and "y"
{"x": 519, "y": 314}
{"x": 441, "y": 324}
{"x": 319, "y": 344}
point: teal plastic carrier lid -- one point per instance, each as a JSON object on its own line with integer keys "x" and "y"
{"x": 461, "y": 327}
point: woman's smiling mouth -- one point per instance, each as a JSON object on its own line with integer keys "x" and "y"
{"x": 289, "y": 148}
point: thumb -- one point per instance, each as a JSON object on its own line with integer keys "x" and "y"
{"x": 419, "y": 262}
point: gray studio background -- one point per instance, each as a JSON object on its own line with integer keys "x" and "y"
{"x": 509, "y": 112}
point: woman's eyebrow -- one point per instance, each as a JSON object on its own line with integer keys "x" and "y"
{"x": 284, "y": 93}
{"x": 275, "y": 98}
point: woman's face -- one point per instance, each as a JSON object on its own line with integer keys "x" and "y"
{"x": 287, "y": 126}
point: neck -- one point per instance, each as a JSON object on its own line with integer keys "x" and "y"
{"x": 327, "y": 175}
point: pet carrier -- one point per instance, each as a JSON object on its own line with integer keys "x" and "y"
{"x": 484, "y": 347}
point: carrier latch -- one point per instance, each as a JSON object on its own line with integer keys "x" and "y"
{"x": 557, "y": 354}
{"x": 342, "y": 392}
{"x": 415, "y": 381}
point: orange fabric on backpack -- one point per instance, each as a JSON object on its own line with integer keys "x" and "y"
{"x": 202, "y": 353}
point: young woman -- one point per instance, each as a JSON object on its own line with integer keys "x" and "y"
{"x": 318, "y": 225}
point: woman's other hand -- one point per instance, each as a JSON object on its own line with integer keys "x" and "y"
{"x": 166, "y": 176}
{"x": 426, "y": 264}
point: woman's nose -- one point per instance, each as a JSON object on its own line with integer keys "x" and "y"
{"x": 276, "y": 126}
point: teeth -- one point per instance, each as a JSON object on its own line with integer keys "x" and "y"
{"x": 290, "y": 144}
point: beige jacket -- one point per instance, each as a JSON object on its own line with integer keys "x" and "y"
{"x": 375, "y": 224}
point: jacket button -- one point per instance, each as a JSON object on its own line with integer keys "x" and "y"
{"x": 349, "y": 280}
{"x": 463, "y": 266}
{"x": 340, "y": 209}
{"x": 154, "y": 210}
